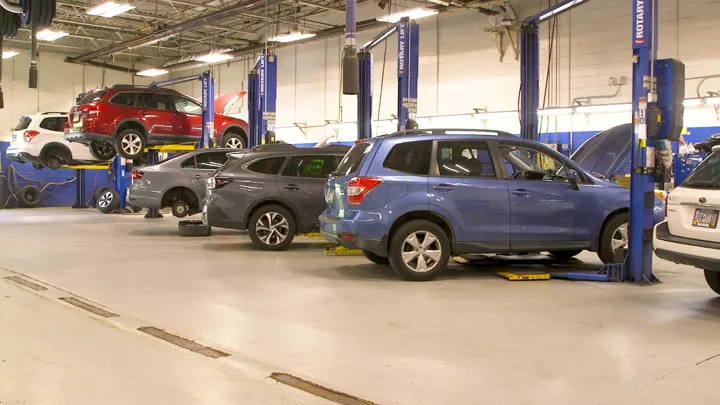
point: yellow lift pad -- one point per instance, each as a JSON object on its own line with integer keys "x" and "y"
{"x": 181, "y": 147}
{"x": 523, "y": 277}
{"x": 342, "y": 251}
{"x": 313, "y": 235}
{"x": 102, "y": 166}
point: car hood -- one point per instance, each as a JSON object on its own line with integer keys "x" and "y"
{"x": 607, "y": 153}
{"x": 224, "y": 103}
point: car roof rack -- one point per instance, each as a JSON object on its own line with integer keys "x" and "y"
{"x": 450, "y": 131}
{"x": 146, "y": 88}
{"x": 274, "y": 147}
{"x": 54, "y": 112}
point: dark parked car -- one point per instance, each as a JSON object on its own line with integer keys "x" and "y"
{"x": 127, "y": 119}
{"x": 177, "y": 182}
{"x": 274, "y": 191}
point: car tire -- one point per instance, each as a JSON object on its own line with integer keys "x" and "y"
{"x": 108, "y": 200}
{"x": 234, "y": 141}
{"x": 102, "y": 150}
{"x": 130, "y": 143}
{"x": 713, "y": 280}
{"x": 180, "y": 209}
{"x": 402, "y": 247}
{"x": 99, "y": 191}
{"x": 55, "y": 157}
{"x": 564, "y": 254}
{"x": 29, "y": 197}
{"x": 609, "y": 237}
{"x": 193, "y": 228}
{"x": 279, "y": 222}
{"x": 134, "y": 208}
{"x": 375, "y": 258}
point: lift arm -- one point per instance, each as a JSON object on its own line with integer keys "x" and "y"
{"x": 262, "y": 100}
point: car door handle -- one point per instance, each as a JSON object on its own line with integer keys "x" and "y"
{"x": 443, "y": 187}
{"x": 197, "y": 176}
{"x": 521, "y": 192}
{"x": 292, "y": 187}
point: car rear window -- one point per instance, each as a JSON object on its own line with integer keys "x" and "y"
{"x": 93, "y": 97}
{"x": 351, "y": 162}
{"x": 268, "y": 165}
{"x": 23, "y": 123}
{"x": 705, "y": 176}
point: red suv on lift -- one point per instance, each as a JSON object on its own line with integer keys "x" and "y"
{"x": 126, "y": 119}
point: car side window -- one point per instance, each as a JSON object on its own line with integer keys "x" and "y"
{"x": 317, "y": 166}
{"x": 53, "y": 124}
{"x": 267, "y": 166}
{"x": 186, "y": 106}
{"x": 527, "y": 163}
{"x": 210, "y": 160}
{"x": 157, "y": 101}
{"x": 410, "y": 157}
{"x": 465, "y": 159}
{"x": 126, "y": 99}
{"x": 189, "y": 163}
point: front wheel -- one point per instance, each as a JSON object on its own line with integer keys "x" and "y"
{"x": 419, "y": 251}
{"x": 713, "y": 279}
{"x": 375, "y": 258}
{"x": 614, "y": 239}
{"x": 102, "y": 150}
{"x": 233, "y": 141}
{"x": 272, "y": 227}
{"x": 130, "y": 143}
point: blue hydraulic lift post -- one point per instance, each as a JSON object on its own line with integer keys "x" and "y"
{"x": 262, "y": 100}
{"x": 530, "y": 66}
{"x": 408, "y": 63}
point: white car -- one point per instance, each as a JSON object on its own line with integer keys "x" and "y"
{"x": 691, "y": 235}
{"x": 40, "y": 140}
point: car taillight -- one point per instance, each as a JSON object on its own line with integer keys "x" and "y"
{"x": 359, "y": 187}
{"x": 216, "y": 183}
{"x": 30, "y": 134}
{"x": 137, "y": 174}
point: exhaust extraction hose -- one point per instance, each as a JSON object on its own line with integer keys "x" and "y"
{"x": 351, "y": 77}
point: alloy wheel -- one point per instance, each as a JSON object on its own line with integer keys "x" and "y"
{"x": 620, "y": 238}
{"x": 131, "y": 144}
{"x": 421, "y": 251}
{"x": 272, "y": 228}
{"x": 105, "y": 199}
{"x": 234, "y": 143}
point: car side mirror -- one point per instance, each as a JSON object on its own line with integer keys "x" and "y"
{"x": 573, "y": 179}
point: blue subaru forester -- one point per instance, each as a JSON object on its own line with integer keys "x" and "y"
{"x": 416, "y": 198}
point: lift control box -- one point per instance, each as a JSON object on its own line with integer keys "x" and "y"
{"x": 670, "y": 74}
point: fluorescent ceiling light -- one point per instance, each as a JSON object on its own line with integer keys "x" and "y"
{"x": 9, "y": 54}
{"x": 413, "y": 14}
{"x": 213, "y": 57}
{"x": 49, "y": 35}
{"x": 693, "y": 102}
{"x": 152, "y": 72}
{"x": 713, "y": 100}
{"x": 109, "y": 9}
{"x": 603, "y": 108}
{"x": 553, "y": 112}
{"x": 293, "y": 36}
{"x": 559, "y": 10}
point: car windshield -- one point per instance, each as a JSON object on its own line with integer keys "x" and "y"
{"x": 350, "y": 163}
{"x": 23, "y": 123}
{"x": 93, "y": 97}
{"x": 707, "y": 175}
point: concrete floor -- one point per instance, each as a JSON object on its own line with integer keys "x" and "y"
{"x": 467, "y": 338}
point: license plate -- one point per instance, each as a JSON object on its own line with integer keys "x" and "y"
{"x": 330, "y": 196}
{"x": 705, "y": 218}
{"x": 76, "y": 116}
{"x": 73, "y": 130}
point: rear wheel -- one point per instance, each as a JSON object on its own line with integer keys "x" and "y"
{"x": 272, "y": 227}
{"x": 614, "y": 239}
{"x": 180, "y": 209}
{"x": 419, "y": 250}
{"x": 233, "y": 140}
{"x": 375, "y": 258}
{"x": 565, "y": 254}
{"x": 101, "y": 150}
{"x": 55, "y": 157}
{"x": 130, "y": 143}
{"x": 713, "y": 280}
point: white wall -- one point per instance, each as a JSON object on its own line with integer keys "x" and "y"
{"x": 459, "y": 70}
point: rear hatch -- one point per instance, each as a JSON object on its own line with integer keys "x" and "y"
{"x": 694, "y": 207}
{"x": 336, "y": 186}
{"x": 85, "y": 111}
{"x": 17, "y": 136}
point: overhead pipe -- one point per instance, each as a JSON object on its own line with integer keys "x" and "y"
{"x": 169, "y": 32}
{"x": 351, "y": 72}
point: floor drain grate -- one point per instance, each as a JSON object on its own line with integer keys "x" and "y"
{"x": 319, "y": 390}
{"x": 90, "y": 308}
{"x": 182, "y": 342}
{"x": 23, "y": 282}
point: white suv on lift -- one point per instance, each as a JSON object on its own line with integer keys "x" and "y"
{"x": 691, "y": 235}
{"x": 40, "y": 140}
